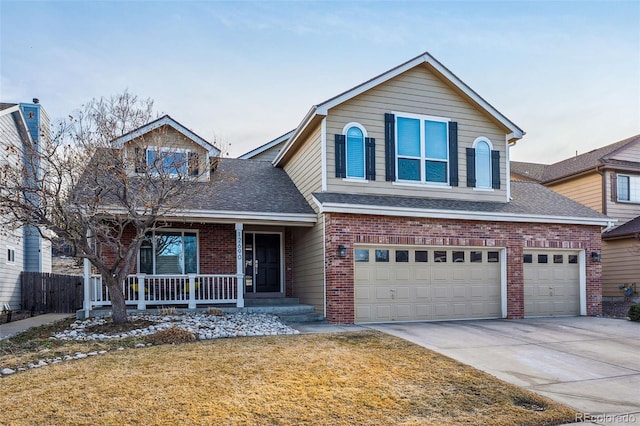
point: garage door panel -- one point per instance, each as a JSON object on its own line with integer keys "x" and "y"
{"x": 551, "y": 288}
{"x": 424, "y": 289}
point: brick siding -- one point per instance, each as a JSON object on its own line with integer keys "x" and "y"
{"x": 349, "y": 230}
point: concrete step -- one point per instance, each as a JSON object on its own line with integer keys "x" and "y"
{"x": 271, "y": 301}
{"x": 297, "y": 318}
{"x": 281, "y": 309}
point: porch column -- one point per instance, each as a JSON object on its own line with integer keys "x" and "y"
{"x": 86, "y": 272}
{"x": 140, "y": 282}
{"x": 239, "y": 265}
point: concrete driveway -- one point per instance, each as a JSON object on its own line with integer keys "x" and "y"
{"x": 589, "y": 364}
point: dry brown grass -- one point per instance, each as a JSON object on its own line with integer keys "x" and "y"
{"x": 334, "y": 379}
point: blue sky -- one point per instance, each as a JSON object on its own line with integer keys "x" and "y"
{"x": 567, "y": 72}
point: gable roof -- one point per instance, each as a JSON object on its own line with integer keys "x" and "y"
{"x": 166, "y": 120}
{"x": 628, "y": 229}
{"x": 6, "y": 105}
{"x": 531, "y": 202}
{"x": 259, "y": 150}
{"x": 585, "y": 162}
{"x": 533, "y": 171}
{"x": 424, "y": 58}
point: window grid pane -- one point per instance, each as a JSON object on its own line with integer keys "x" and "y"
{"x": 483, "y": 165}
{"x": 355, "y": 153}
{"x": 436, "y": 171}
{"x": 362, "y": 255}
{"x": 408, "y": 169}
{"x": 408, "y": 137}
{"x": 435, "y": 136}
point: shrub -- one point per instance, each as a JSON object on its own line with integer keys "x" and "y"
{"x": 634, "y": 312}
{"x": 215, "y": 311}
{"x": 171, "y": 336}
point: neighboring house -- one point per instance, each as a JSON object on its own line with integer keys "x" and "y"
{"x": 389, "y": 202}
{"x": 22, "y": 248}
{"x": 607, "y": 180}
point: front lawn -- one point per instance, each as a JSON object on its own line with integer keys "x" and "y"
{"x": 326, "y": 379}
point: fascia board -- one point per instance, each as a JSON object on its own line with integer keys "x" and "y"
{"x": 456, "y": 214}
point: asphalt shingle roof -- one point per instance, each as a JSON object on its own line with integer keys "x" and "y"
{"x": 528, "y": 198}
{"x": 629, "y": 228}
{"x": 5, "y": 105}
{"x": 574, "y": 165}
{"x": 533, "y": 171}
{"x": 235, "y": 186}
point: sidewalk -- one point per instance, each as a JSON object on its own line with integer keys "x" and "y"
{"x": 15, "y": 327}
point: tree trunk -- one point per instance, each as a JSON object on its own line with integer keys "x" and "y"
{"x": 118, "y": 306}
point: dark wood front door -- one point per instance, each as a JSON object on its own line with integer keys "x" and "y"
{"x": 267, "y": 263}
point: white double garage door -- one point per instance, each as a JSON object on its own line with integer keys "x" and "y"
{"x": 407, "y": 283}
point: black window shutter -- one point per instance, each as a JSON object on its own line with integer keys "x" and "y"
{"x": 139, "y": 159}
{"x": 471, "y": 168}
{"x": 370, "y": 157}
{"x": 194, "y": 164}
{"x": 341, "y": 156}
{"x": 614, "y": 186}
{"x": 390, "y": 146}
{"x": 453, "y": 153}
{"x": 495, "y": 169}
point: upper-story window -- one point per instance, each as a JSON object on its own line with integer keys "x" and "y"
{"x": 422, "y": 149}
{"x": 628, "y": 188}
{"x": 169, "y": 161}
{"x": 355, "y": 153}
{"x": 483, "y": 165}
{"x": 355, "y": 135}
{"x": 483, "y": 162}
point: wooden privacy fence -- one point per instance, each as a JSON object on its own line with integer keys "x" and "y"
{"x": 51, "y": 292}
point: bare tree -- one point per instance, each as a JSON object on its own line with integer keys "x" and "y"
{"x": 97, "y": 197}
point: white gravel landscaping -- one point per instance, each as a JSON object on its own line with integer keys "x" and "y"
{"x": 202, "y": 326}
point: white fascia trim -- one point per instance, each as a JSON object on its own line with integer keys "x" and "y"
{"x": 303, "y": 125}
{"x": 266, "y": 146}
{"x": 233, "y": 216}
{"x": 508, "y": 168}
{"x": 167, "y": 121}
{"x": 323, "y": 142}
{"x": 454, "y": 214}
{"x": 10, "y": 110}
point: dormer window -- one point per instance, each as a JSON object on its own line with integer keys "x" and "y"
{"x": 170, "y": 161}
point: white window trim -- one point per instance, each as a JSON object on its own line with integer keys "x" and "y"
{"x": 423, "y": 155}
{"x": 153, "y": 246}
{"x": 631, "y": 177}
{"x": 475, "y": 144}
{"x": 364, "y": 149}
{"x": 168, "y": 150}
{"x": 12, "y": 250}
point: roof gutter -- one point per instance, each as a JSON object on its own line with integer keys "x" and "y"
{"x": 457, "y": 214}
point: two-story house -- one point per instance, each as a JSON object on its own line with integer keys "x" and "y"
{"x": 21, "y": 247}
{"x": 606, "y": 179}
{"x": 389, "y": 202}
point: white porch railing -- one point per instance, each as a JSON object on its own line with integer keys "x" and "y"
{"x": 190, "y": 290}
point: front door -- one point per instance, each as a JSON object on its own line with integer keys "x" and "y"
{"x": 262, "y": 259}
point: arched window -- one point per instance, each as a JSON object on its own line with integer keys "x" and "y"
{"x": 355, "y": 135}
{"x": 483, "y": 163}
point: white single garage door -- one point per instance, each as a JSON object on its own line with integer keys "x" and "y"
{"x": 417, "y": 283}
{"x": 551, "y": 283}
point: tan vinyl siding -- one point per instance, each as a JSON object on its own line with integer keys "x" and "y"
{"x": 167, "y": 137}
{"x": 270, "y": 154}
{"x": 305, "y": 167}
{"x": 308, "y": 265}
{"x": 623, "y": 211}
{"x": 620, "y": 265}
{"x": 417, "y": 91}
{"x": 585, "y": 189}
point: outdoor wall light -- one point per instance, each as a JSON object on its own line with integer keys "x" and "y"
{"x": 342, "y": 251}
{"x": 595, "y": 256}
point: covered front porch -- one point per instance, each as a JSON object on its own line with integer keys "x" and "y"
{"x": 198, "y": 265}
